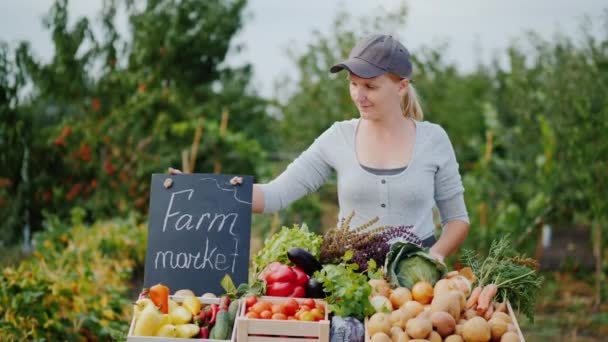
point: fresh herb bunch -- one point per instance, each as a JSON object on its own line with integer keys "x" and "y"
{"x": 514, "y": 275}
{"x": 342, "y": 238}
{"x": 366, "y": 243}
{"x": 380, "y": 244}
{"x": 348, "y": 290}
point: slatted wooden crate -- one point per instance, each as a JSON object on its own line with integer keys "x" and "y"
{"x": 207, "y": 301}
{"x": 264, "y": 330}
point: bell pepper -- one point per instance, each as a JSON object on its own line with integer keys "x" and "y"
{"x": 159, "y": 294}
{"x": 285, "y": 281}
{"x": 204, "y": 333}
{"x": 212, "y": 315}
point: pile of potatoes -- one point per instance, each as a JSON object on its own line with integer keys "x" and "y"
{"x": 434, "y": 314}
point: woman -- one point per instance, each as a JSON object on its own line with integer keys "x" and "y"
{"x": 389, "y": 163}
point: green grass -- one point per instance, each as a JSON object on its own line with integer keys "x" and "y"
{"x": 565, "y": 311}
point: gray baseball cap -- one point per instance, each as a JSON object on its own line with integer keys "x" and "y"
{"x": 376, "y": 55}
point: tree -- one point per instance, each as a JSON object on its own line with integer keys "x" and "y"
{"x": 106, "y": 112}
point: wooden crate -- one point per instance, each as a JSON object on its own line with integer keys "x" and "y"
{"x": 131, "y": 338}
{"x": 249, "y": 330}
{"x": 509, "y": 311}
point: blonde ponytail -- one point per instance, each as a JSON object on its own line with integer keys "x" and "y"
{"x": 410, "y": 104}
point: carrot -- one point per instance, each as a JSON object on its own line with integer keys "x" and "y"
{"x": 485, "y": 298}
{"x": 501, "y": 307}
{"x": 159, "y": 294}
{"x": 473, "y": 297}
{"x": 489, "y": 312}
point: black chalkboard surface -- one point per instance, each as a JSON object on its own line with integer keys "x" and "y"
{"x": 199, "y": 230}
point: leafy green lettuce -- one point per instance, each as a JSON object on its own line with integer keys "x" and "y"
{"x": 407, "y": 263}
{"x": 276, "y": 246}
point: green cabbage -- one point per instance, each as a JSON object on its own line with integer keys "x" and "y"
{"x": 407, "y": 263}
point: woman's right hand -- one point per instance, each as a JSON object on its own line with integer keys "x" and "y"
{"x": 173, "y": 171}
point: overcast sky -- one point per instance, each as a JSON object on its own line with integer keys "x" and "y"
{"x": 274, "y": 24}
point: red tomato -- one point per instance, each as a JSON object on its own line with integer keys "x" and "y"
{"x": 309, "y": 302}
{"x": 291, "y": 307}
{"x": 279, "y": 316}
{"x": 260, "y": 306}
{"x": 305, "y": 308}
{"x": 278, "y": 308}
{"x": 317, "y": 314}
{"x": 250, "y": 300}
{"x": 307, "y": 316}
{"x": 253, "y": 315}
{"x": 266, "y": 314}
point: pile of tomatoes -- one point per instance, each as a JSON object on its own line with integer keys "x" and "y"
{"x": 306, "y": 309}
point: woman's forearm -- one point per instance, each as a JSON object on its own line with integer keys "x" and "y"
{"x": 257, "y": 205}
{"x": 452, "y": 236}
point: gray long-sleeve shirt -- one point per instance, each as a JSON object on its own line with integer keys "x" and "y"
{"x": 406, "y": 198}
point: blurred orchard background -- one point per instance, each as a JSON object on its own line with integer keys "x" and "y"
{"x": 82, "y": 131}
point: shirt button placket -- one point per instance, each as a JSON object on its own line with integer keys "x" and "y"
{"x": 383, "y": 194}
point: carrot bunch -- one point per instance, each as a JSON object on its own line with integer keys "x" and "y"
{"x": 481, "y": 300}
{"x": 503, "y": 275}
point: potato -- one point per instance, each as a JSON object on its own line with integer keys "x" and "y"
{"x": 447, "y": 302}
{"x": 470, "y": 314}
{"x": 443, "y": 286}
{"x": 462, "y": 284}
{"x": 443, "y": 322}
{"x": 435, "y": 337}
{"x": 425, "y": 314}
{"x": 453, "y": 338}
{"x": 400, "y": 296}
{"x": 502, "y": 316}
{"x": 418, "y": 327}
{"x": 476, "y": 330}
{"x": 398, "y": 318}
{"x": 458, "y": 330}
{"x": 509, "y": 336}
{"x": 401, "y": 337}
{"x": 497, "y": 327}
{"x": 460, "y": 298}
{"x": 380, "y": 337}
{"x": 412, "y": 308}
{"x": 395, "y": 330}
{"x": 381, "y": 304}
{"x": 379, "y": 322}
{"x": 380, "y": 287}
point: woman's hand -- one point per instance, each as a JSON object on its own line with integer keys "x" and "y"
{"x": 257, "y": 196}
{"x": 233, "y": 181}
{"x": 436, "y": 255}
{"x": 173, "y": 171}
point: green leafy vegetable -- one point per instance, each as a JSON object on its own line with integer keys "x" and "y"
{"x": 348, "y": 290}
{"x": 407, "y": 263}
{"x": 276, "y": 246}
{"x": 258, "y": 288}
{"x": 514, "y": 274}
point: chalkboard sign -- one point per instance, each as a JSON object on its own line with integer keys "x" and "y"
{"x": 199, "y": 231}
